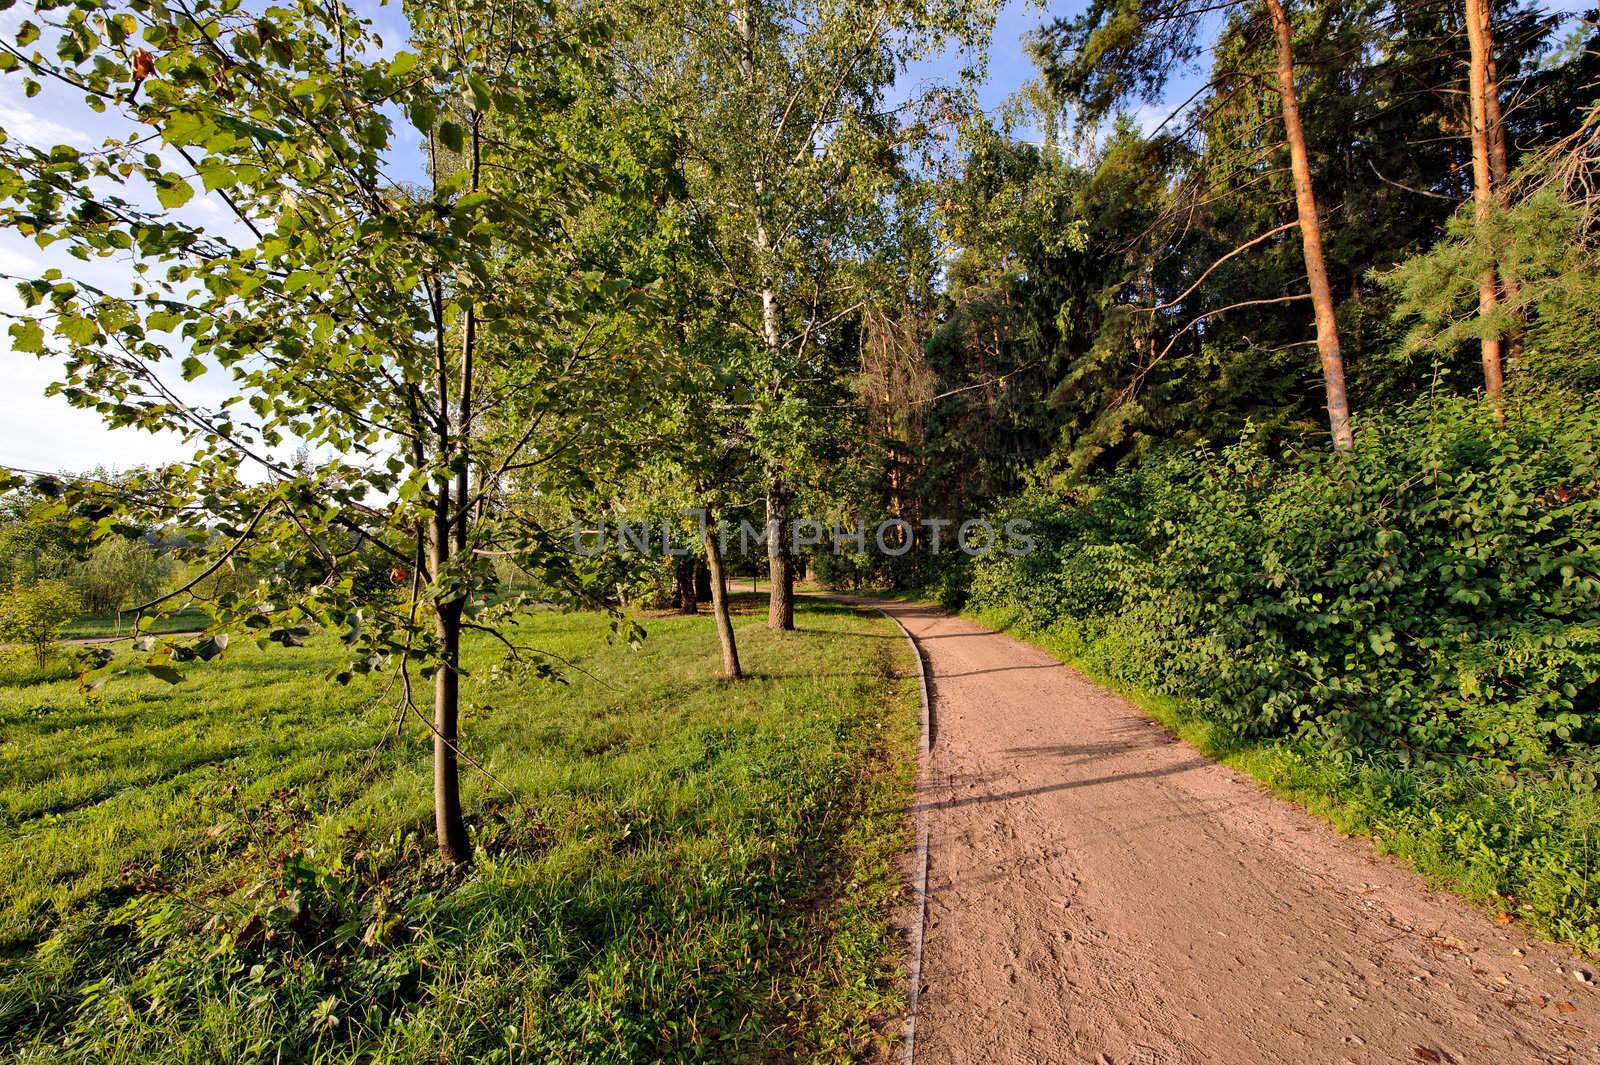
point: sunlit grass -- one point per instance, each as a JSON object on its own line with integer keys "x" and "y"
{"x": 669, "y": 865}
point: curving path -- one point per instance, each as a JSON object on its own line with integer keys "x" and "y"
{"x": 1100, "y": 892}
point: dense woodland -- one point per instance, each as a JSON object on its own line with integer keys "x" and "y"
{"x": 1279, "y": 321}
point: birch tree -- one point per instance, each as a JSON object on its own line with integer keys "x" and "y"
{"x": 790, "y": 145}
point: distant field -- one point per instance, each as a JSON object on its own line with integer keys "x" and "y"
{"x": 239, "y": 868}
{"x": 111, "y": 625}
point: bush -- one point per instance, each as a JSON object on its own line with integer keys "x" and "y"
{"x": 34, "y": 614}
{"x": 1406, "y": 638}
{"x": 1433, "y": 595}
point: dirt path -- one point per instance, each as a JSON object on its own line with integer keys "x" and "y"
{"x": 1100, "y": 892}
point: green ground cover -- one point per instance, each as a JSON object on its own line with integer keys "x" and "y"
{"x": 94, "y": 627}
{"x": 239, "y": 867}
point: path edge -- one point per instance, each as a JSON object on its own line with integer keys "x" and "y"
{"x": 919, "y": 859}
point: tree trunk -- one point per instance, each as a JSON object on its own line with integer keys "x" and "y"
{"x": 449, "y": 824}
{"x": 1483, "y": 196}
{"x": 702, "y": 581}
{"x": 1311, "y": 234}
{"x": 688, "y": 601}
{"x": 1494, "y": 118}
{"x": 780, "y": 567}
{"x": 780, "y": 611}
{"x": 1494, "y": 129}
{"x": 719, "y": 602}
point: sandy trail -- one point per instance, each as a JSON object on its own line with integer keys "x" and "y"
{"x": 1100, "y": 892}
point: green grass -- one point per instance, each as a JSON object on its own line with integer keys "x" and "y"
{"x": 189, "y": 619}
{"x": 1526, "y": 848}
{"x": 239, "y": 868}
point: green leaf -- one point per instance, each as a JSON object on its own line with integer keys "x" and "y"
{"x": 173, "y": 191}
{"x": 423, "y": 114}
{"x": 216, "y": 176}
{"x": 403, "y": 64}
{"x": 26, "y": 336}
{"x": 77, "y": 329}
{"x": 482, "y": 98}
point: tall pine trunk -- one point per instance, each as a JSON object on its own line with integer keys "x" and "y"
{"x": 1483, "y": 195}
{"x": 1311, "y": 234}
{"x": 719, "y": 601}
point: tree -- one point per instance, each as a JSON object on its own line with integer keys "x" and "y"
{"x": 35, "y": 544}
{"x": 33, "y": 614}
{"x": 1305, "y": 199}
{"x": 1128, "y": 48}
{"x": 428, "y": 337}
{"x": 1487, "y": 129}
{"x": 118, "y": 572}
{"x": 788, "y": 150}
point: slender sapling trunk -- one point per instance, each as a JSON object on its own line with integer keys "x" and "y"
{"x": 780, "y": 567}
{"x": 719, "y": 601}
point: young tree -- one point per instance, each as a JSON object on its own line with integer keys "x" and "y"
{"x": 421, "y": 337}
{"x": 33, "y": 614}
{"x": 118, "y": 572}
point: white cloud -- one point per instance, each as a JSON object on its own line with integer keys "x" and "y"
{"x": 35, "y": 128}
{"x": 40, "y": 432}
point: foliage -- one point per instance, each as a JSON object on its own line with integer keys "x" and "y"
{"x": 1547, "y": 240}
{"x": 120, "y": 572}
{"x": 428, "y": 343}
{"x": 34, "y": 544}
{"x": 34, "y": 614}
{"x": 1407, "y": 639}
{"x": 1434, "y": 598}
{"x": 680, "y": 870}
{"x": 1119, "y": 287}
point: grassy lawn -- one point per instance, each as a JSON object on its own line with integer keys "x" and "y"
{"x": 239, "y": 868}
{"x": 188, "y": 620}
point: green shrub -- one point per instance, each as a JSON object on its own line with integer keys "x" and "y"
{"x": 1433, "y": 595}
{"x": 34, "y": 615}
{"x": 1406, "y": 638}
